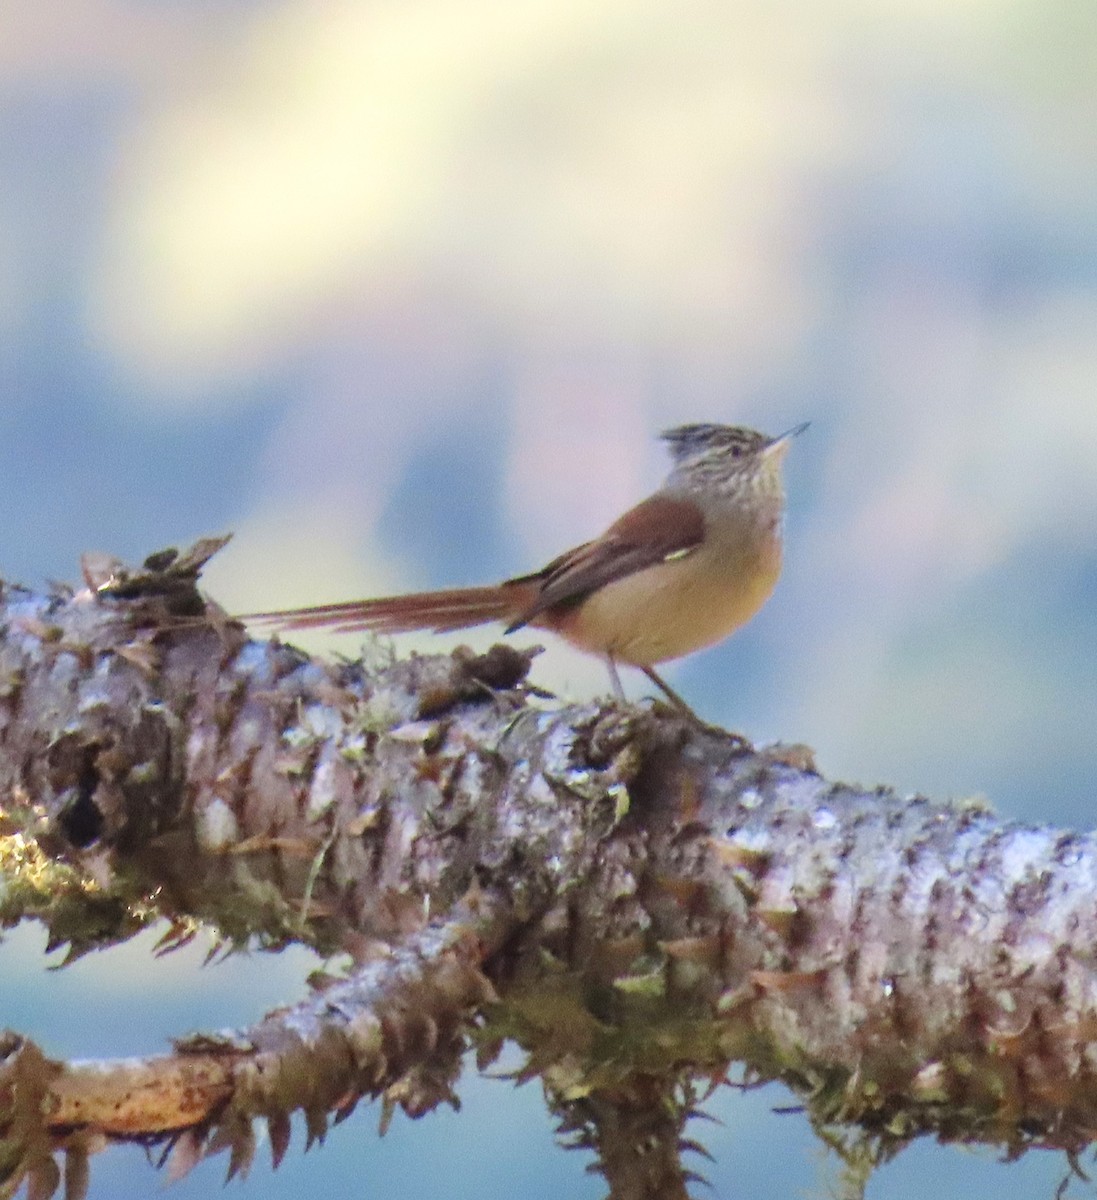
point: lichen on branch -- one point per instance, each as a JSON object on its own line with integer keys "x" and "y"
{"x": 635, "y": 900}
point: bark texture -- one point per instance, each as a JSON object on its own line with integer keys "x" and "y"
{"x": 639, "y": 902}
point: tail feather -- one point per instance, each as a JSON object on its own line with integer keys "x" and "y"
{"x": 441, "y": 612}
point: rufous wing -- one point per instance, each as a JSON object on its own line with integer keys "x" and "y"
{"x": 660, "y": 528}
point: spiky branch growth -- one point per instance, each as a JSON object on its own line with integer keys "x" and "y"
{"x": 637, "y": 901}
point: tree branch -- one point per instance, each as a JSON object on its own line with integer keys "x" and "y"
{"x": 649, "y": 900}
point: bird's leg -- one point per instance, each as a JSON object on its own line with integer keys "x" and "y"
{"x": 614, "y": 678}
{"x": 669, "y": 692}
{"x": 676, "y": 700}
{"x": 685, "y": 709}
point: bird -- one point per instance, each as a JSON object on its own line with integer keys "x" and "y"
{"x": 680, "y": 571}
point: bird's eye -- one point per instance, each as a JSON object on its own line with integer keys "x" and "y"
{"x": 736, "y": 450}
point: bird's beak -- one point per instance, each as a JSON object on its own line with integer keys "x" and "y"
{"x": 777, "y": 448}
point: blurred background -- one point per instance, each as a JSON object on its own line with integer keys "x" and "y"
{"x": 401, "y": 291}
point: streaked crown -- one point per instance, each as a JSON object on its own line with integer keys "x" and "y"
{"x": 725, "y": 442}
{"x": 728, "y": 459}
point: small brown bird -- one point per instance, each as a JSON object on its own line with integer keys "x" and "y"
{"x": 680, "y": 571}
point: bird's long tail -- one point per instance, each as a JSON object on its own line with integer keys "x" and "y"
{"x": 454, "y": 608}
